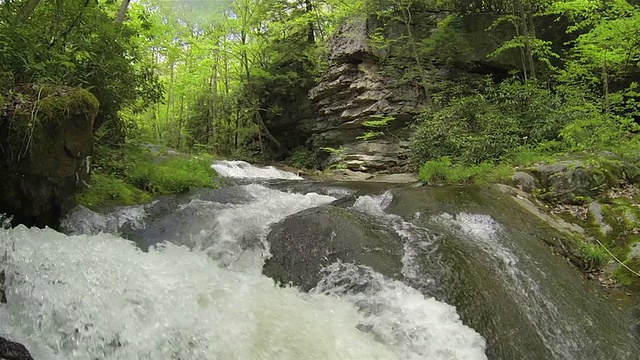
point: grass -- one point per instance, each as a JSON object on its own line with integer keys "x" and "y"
{"x": 132, "y": 175}
{"x": 593, "y": 256}
{"x": 443, "y": 170}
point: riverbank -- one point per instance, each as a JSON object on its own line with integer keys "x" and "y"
{"x": 133, "y": 174}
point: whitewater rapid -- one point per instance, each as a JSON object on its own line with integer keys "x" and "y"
{"x": 96, "y": 295}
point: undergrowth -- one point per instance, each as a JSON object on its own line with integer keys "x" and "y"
{"x": 131, "y": 174}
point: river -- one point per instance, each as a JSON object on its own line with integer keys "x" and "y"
{"x": 182, "y": 278}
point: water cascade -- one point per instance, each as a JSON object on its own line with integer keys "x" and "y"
{"x": 182, "y": 278}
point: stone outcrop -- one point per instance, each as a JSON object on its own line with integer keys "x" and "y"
{"x": 357, "y": 87}
{"x": 354, "y": 90}
{"x": 572, "y": 181}
{"x": 46, "y": 139}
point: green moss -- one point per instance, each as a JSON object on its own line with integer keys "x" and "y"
{"x": 626, "y": 277}
{"x": 105, "y": 190}
{"x": 58, "y": 106}
{"x": 173, "y": 175}
{"x": 131, "y": 175}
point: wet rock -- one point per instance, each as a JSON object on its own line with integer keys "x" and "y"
{"x": 3, "y": 295}
{"x": 302, "y": 244}
{"x": 10, "y": 350}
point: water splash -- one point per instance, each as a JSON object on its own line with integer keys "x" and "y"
{"x": 418, "y": 242}
{"x": 98, "y": 297}
{"x": 244, "y": 170}
{"x": 401, "y": 316}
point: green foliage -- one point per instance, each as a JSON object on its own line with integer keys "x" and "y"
{"x": 489, "y": 124}
{"x": 105, "y": 190}
{"x": 304, "y": 159}
{"x": 594, "y": 256}
{"x": 443, "y": 170}
{"x": 376, "y": 124}
{"x": 447, "y": 45}
{"x": 131, "y": 174}
{"x": 173, "y": 174}
{"x": 527, "y": 156}
{"x": 82, "y": 46}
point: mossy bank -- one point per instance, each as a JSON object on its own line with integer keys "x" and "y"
{"x": 133, "y": 173}
{"x": 46, "y": 139}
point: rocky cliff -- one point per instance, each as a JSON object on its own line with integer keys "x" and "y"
{"x": 46, "y": 138}
{"x": 352, "y": 91}
{"x": 358, "y": 86}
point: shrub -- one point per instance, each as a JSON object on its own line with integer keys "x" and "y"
{"x": 304, "y": 159}
{"x": 443, "y": 170}
{"x": 488, "y": 125}
{"x": 131, "y": 174}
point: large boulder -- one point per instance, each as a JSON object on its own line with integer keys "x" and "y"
{"x": 46, "y": 141}
{"x": 302, "y": 244}
{"x": 574, "y": 181}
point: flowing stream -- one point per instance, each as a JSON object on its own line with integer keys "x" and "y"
{"x": 181, "y": 278}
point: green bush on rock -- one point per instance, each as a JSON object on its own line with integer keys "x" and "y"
{"x": 132, "y": 174}
{"x": 304, "y": 159}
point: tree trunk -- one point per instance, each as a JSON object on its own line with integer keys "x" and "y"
{"x": 311, "y": 34}
{"x": 27, "y": 10}
{"x": 423, "y": 76}
{"x": 123, "y": 11}
{"x": 524, "y": 17}
{"x": 605, "y": 87}
{"x": 180, "y": 121}
{"x": 262, "y": 125}
{"x": 169, "y": 95}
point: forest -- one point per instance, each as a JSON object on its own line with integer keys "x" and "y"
{"x": 507, "y": 132}
{"x": 213, "y": 77}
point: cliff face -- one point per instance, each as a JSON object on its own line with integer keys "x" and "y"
{"x": 354, "y": 90}
{"x": 46, "y": 137}
{"x": 357, "y": 87}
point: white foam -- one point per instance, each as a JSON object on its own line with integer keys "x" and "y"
{"x": 401, "y": 316}
{"x": 244, "y": 170}
{"x": 98, "y": 297}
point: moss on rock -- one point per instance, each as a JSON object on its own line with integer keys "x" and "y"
{"x": 59, "y": 106}
{"x": 49, "y": 138}
{"x": 626, "y": 277}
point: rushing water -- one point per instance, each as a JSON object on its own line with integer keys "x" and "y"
{"x": 199, "y": 293}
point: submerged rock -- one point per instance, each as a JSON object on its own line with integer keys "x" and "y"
{"x": 302, "y": 244}
{"x": 10, "y": 350}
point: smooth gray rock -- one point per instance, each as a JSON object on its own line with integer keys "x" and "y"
{"x": 595, "y": 209}
{"x": 525, "y": 181}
